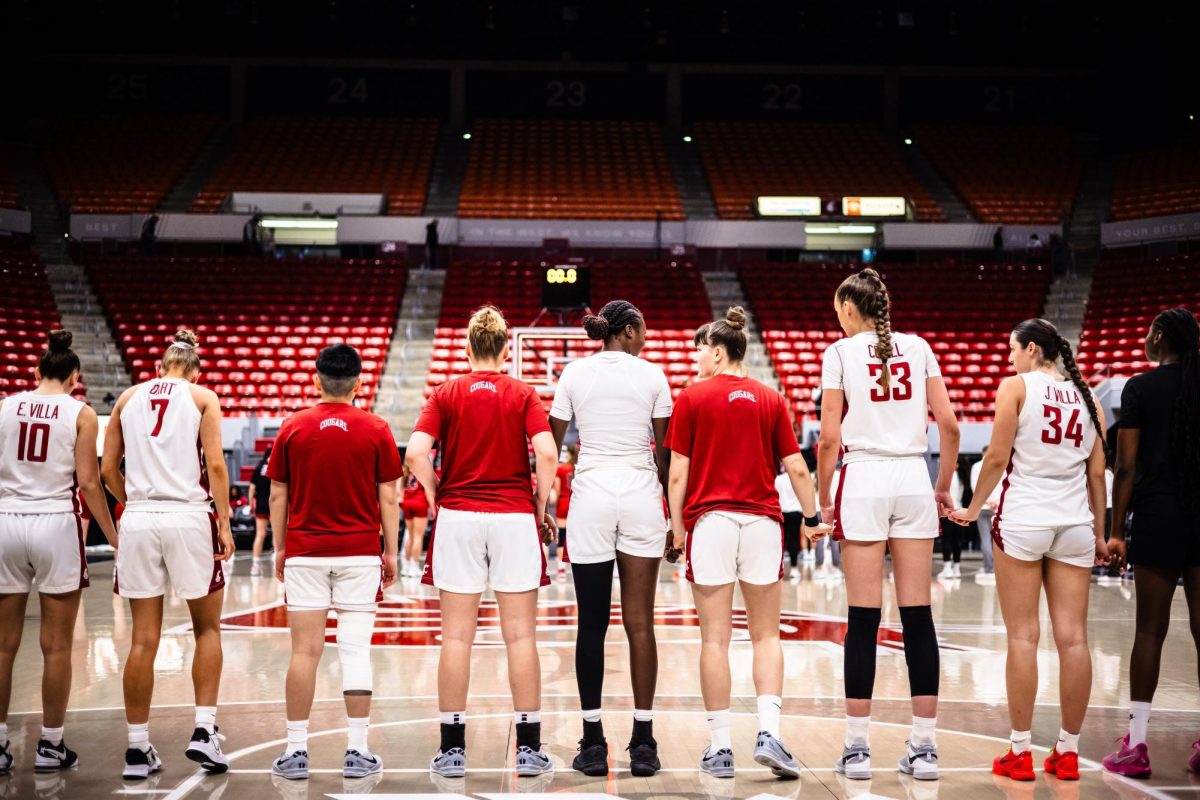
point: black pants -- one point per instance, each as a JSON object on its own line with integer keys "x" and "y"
{"x": 952, "y": 536}
{"x": 792, "y": 520}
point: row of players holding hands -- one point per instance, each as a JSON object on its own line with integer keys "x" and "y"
{"x": 715, "y": 451}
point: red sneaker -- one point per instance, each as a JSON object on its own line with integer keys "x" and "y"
{"x": 1018, "y": 766}
{"x": 1064, "y": 766}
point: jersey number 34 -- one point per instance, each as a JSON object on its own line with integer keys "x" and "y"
{"x": 1054, "y": 434}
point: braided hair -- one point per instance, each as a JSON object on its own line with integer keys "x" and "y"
{"x": 612, "y": 319}
{"x": 1043, "y": 333}
{"x": 866, "y": 290}
{"x": 1181, "y": 334}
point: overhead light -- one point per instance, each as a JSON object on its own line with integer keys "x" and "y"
{"x": 908, "y": 141}
{"x": 300, "y": 224}
{"x": 687, "y": 139}
{"x": 466, "y": 136}
{"x": 839, "y": 229}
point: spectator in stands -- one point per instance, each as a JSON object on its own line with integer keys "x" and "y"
{"x": 149, "y": 236}
{"x": 988, "y": 576}
{"x": 1035, "y": 249}
{"x": 998, "y": 245}
{"x": 431, "y": 244}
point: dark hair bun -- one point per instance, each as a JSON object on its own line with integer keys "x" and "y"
{"x": 735, "y": 318}
{"x": 596, "y": 327}
{"x": 60, "y": 340}
{"x": 187, "y": 336}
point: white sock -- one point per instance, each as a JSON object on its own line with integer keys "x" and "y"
{"x": 858, "y": 729}
{"x": 643, "y": 715}
{"x": 1139, "y": 721}
{"x": 454, "y": 717}
{"x": 769, "y": 708}
{"x": 591, "y": 715}
{"x": 52, "y": 735}
{"x": 520, "y": 717}
{"x": 924, "y": 731}
{"x": 718, "y": 728}
{"x": 3, "y": 731}
{"x": 297, "y": 735}
{"x": 139, "y": 735}
{"x": 357, "y": 739}
{"x": 1067, "y": 742}
{"x": 206, "y": 717}
{"x": 1019, "y": 740}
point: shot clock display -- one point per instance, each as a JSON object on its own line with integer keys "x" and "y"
{"x": 566, "y": 286}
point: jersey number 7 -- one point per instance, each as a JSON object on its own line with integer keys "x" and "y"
{"x": 1054, "y": 434}
{"x": 900, "y": 387}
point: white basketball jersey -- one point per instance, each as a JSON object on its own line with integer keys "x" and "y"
{"x": 1045, "y": 485}
{"x": 881, "y": 423}
{"x": 161, "y": 428}
{"x": 37, "y": 453}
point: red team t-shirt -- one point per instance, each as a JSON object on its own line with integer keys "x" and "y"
{"x": 332, "y": 457}
{"x": 483, "y": 420}
{"x": 566, "y": 475}
{"x": 735, "y": 431}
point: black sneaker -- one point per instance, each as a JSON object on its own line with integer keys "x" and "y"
{"x": 592, "y": 759}
{"x": 6, "y": 759}
{"x": 205, "y": 750}
{"x": 140, "y": 764}
{"x": 51, "y": 757}
{"x": 643, "y": 758}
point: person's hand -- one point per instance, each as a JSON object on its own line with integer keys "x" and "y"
{"x": 819, "y": 532}
{"x": 676, "y": 543}
{"x": 389, "y": 569}
{"x": 992, "y": 506}
{"x": 279, "y": 559}
{"x": 1118, "y": 552}
{"x": 225, "y": 540}
{"x": 828, "y": 513}
{"x": 963, "y": 516}
{"x": 431, "y": 501}
{"x": 945, "y": 504}
{"x": 1103, "y": 558}
{"x": 549, "y": 528}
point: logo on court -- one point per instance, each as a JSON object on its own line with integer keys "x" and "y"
{"x": 417, "y": 622}
{"x": 334, "y": 422}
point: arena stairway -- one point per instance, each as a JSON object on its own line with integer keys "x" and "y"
{"x": 188, "y": 186}
{"x": 103, "y": 366}
{"x": 725, "y": 290}
{"x": 402, "y": 387}
{"x": 1090, "y": 209}
{"x": 937, "y": 187}
{"x": 689, "y": 174}
{"x": 446, "y": 174}
{"x": 1066, "y": 305}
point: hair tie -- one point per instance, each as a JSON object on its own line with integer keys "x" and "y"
{"x": 183, "y": 345}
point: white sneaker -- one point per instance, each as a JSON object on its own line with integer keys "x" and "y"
{"x": 957, "y": 570}
{"x": 947, "y": 570}
{"x": 205, "y": 750}
{"x": 141, "y": 763}
{"x": 256, "y": 569}
{"x": 359, "y": 765}
{"x": 855, "y": 762}
{"x": 985, "y": 578}
{"x": 920, "y": 762}
{"x": 52, "y": 757}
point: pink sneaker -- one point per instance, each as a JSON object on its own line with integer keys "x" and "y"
{"x": 1194, "y": 761}
{"x": 1132, "y": 762}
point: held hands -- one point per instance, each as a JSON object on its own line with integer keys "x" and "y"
{"x": 819, "y": 532}
{"x": 548, "y": 528}
{"x": 963, "y": 516}
{"x": 1103, "y": 558}
{"x": 1117, "y": 553}
{"x": 389, "y": 569}
{"x": 676, "y": 543}
{"x": 225, "y": 539}
{"x": 945, "y": 504}
{"x": 279, "y": 557}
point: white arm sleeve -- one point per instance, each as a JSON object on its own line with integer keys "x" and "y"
{"x": 832, "y": 367}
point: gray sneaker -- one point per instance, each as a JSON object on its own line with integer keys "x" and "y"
{"x": 718, "y": 764}
{"x": 450, "y": 764}
{"x": 921, "y": 762}
{"x": 360, "y": 765}
{"x": 293, "y": 766}
{"x": 532, "y": 762}
{"x": 855, "y": 762}
{"x": 770, "y": 752}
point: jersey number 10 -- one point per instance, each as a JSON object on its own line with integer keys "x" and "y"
{"x": 33, "y": 442}
{"x": 1054, "y": 434}
{"x": 900, "y": 387}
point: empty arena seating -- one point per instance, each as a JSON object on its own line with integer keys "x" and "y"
{"x": 9, "y": 196}
{"x": 568, "y": 169}
{"x": 1127, "y": 293}
{"x": 27, "y": 314}
{"x": 672, "y": 298}
{"x": 966, "y": 319}
{"x": 261, "y": 322}
{"x": 747, "y": 159}
{"x": 1017, "y": 174}
{"x": 384, "y": 155}
{"x": 1158, "y": 182}
{"x": 121, "y": 165}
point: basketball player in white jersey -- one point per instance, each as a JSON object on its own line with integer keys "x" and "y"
{"x": 168, "y": 430}
{"x": 622, "y": 405}
{"x": 47, "y": 450}
{"x": 1048, "y": 443}
{"x": 877, "y": 390}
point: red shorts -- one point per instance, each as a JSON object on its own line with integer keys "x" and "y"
{"x": 415, "y": 508}
{"x": 262, "y": 516}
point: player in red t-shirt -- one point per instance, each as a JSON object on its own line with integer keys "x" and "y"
{"x": 416, "y": 520}
{"x": 333, "y": 488}
{"x": 727, "y": 435}
{"x": 490, "y": 528}
{"x": 561, "y": 497}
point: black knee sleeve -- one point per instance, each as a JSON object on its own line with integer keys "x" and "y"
{"x": 920, "y": 650}
{"x": 862, "y": 632}
{"x": 593, "y": 595}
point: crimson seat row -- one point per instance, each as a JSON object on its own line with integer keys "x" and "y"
{"x": 27, "y": 314}
{"x": 1158, "y": 182}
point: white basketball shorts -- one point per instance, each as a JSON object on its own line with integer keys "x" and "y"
{"x": 42, "y": 548}
{"x": 473, "y": 550}
{"x": 727, "y": 546}
{"x": 885, "y": 499}
{"x": 154, "y": 547}
{"x": 615, "y": 510}
{"x": 349, "y": 583}
{"x": 1070, "y": 544}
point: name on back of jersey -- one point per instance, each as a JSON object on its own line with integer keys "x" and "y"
{"x": 37, "y": 410}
